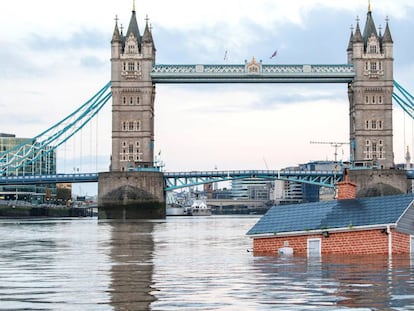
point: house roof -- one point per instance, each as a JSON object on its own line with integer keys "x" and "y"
{"x": 372, "y": 211}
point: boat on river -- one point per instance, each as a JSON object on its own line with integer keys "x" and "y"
{"x": 187, "y": 206}
{"x": 200, "y": 208}
{"x": 175, "y": 209}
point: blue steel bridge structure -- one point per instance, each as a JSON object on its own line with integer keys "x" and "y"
{"x": 48, "y": 141}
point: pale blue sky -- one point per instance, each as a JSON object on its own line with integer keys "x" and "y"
{"x": 55, "y": 55}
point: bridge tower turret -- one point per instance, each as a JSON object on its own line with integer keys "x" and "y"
{"x": 370, "y": 96}
{"x": 133, "y": 94}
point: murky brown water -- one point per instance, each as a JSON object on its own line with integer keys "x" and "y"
{"x": 190, "y": 263}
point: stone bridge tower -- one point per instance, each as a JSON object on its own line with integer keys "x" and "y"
{"x": 370, "y": 96}
{"x": 370, "y": 102}
{"x": 132, "y": 189}
{"x": 133, "y": 94}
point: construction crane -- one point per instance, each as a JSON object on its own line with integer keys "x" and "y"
{"x": 334, "y": 144}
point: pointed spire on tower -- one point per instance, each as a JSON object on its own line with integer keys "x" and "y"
{"x": 147, "y": 36}
{"x": 386, "y": 38}
{"x": 357, "y": 35}
{"x": 133, "y": 26}
{"x": 351, "y": 39}
{"x": 369, "y": 28}
{"x": 116, "y": 36}
{"x": 369, "y": 6}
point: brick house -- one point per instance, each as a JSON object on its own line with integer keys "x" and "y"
{"x": 372, "y": 225}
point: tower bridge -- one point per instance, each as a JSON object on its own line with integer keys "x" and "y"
{"x": 133, "y": 188}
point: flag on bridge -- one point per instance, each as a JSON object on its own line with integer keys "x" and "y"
{"x": 274, "y": 54}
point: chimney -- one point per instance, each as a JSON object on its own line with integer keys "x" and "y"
{"x": 346, "y": 188}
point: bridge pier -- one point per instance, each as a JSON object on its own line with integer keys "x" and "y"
{"x": 380, "y": 182}
{"x": 131, "y": 195}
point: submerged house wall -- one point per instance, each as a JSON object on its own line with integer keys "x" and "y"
{"x": 357, "y": 242}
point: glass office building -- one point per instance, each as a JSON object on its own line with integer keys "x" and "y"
{"x": 46, "y": 164}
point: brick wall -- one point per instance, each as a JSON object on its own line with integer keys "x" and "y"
{"x": 352, "y": 242}
{"x": 400, "y": 243}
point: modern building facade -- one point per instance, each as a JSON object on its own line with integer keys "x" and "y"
{"x": 370, "y": 96}
{"x": 251, "y": 189}
{"x": 133, "y": 94}
{"x": 46, "y": 165}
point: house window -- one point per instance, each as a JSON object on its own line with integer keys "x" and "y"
{"x": 380, "y": 100}
{"x": 124, "y": 143}
{"x": 131, "y": 101}
{"x": 131, "y": 148}
{"x": 124, "y": 100}
{"x": 373, "y": 66}
{"x": 131, "y": 66}
{"x": 138, "y": 144}
{"x": 137, "y": 100}
{"x": 380, "y": 125}
{"x": 373, "y": 49}
{"x": 130, "y": 126}
{"x": 374, "y": 124}
{"x": 124, "y": 126}
{"x": 367, "y": 124}
{"x": 373, "y": 99}
{"x": 124, "y": 66}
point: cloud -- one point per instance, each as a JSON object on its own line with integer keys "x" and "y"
{"x": 80, "y": 39}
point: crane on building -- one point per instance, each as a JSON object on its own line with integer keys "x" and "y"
{"x": 334, "y": 144}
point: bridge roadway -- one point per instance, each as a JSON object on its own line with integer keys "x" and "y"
{"x": 253, "y": 72}
{"x": 177, "y": 180}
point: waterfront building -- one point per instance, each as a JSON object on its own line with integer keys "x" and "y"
{"x": 251, "y": 189}
{"x": 374, "y": 225}
{"x": 46, "y": 165}
{"x": 289, "y": 192}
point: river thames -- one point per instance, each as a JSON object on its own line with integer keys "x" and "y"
{"x": 182, "y": 263}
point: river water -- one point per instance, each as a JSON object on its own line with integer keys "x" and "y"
{"x": 188, "y": 263}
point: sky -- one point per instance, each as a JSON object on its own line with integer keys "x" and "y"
{"x": 55, "y": 55}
